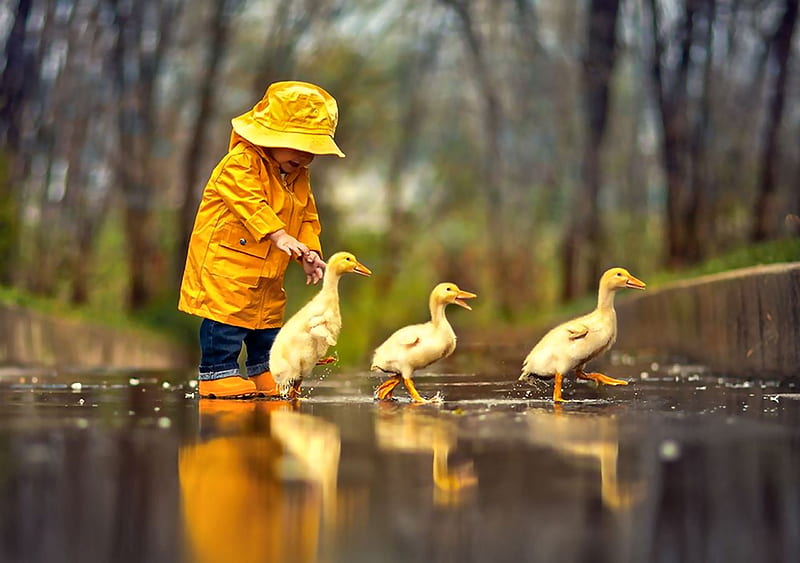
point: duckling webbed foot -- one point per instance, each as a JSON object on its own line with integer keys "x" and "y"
{"x": 385, "y": 389}
{"x": 294, "y": 389}
{"x": 600, "y": 378}
{"x": 415, "y": 396}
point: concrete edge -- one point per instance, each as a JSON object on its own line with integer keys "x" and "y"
{"x": 743, "y": 322}
{"x": 32, "y": 338}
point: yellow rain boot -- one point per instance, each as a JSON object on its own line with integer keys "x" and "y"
{"x": 227, "y": 388}
{"x": 265, "y": 385}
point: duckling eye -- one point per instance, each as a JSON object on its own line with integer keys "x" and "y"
{"x": 619, "y": 274}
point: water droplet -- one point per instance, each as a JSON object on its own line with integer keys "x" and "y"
{"x": 669, "y": 450}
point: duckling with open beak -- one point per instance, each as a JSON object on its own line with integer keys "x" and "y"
{"x": 572, "y": 344}
{"x": 416, "y": 346}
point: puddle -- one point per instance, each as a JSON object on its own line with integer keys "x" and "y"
{"x": 680, "y": 465}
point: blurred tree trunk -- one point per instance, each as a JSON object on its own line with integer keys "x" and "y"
{"x": 9, "y": 223}
{"x": 219, "y": 31}
{"x": 584, "y": 238}
{"x": 412, "y": 74}
{"x": 672, "y": 98}
{"x": 698, "y": 230}
{"x": 502, "y": 243}
{"x": 41, "y": 135}
{"x": 17, "y": 79}
{"x": 136, "y": 63}
{"x": 292, "y": 20}
{"x": 491, "y": 115}
{"x": 781, "y": 48}
{"x": 86, "y": 202}
{"x": 16, "y": 85}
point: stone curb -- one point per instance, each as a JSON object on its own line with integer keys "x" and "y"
{"x": 31, "y": 338}
{"x": 744, "y": 322}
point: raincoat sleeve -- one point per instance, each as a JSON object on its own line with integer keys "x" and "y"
{"x": 240, "y": 187}
{"x": 310, "y": 227}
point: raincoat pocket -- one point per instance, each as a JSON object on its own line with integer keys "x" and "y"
{"x": 240, "y": 257}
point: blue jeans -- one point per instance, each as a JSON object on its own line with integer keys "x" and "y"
{"x": 220, "y": 345}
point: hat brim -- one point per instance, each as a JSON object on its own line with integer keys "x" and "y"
{"x": 315, "y": 143}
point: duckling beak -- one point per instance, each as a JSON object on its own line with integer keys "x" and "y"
{"x": 634, "y": 283}
{"x": 362, "y": 269}
{"x": 464, "y": 295}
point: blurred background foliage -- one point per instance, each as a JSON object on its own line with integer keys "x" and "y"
{"x": 515, "y": 147}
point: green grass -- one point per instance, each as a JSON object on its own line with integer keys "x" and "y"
{"x": 773, "y": 252}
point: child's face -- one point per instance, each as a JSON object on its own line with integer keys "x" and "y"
{"x": 290, "y": 160}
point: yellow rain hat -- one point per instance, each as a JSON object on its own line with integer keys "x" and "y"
{"x": 293, "y": 115}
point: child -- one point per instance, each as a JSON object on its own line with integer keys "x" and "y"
{"x": 257, "y": 212}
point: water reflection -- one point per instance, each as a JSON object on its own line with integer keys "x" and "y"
{"x": 260, "y": 484}
{"x": 592, "y": 439}
{"x": 135, "y": 468}
{"x": 406, "y": 429}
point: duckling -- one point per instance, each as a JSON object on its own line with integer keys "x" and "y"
{"x": 572, "y": 344}
{"x": 417, "y": 346}
{"x": 306, "y": 336}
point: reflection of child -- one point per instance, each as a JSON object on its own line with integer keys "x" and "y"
{"x": 256, "y": 213}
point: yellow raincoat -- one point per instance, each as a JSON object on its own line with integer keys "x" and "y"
{"x": 234, "y": 274}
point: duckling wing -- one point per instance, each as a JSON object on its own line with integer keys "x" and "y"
{"x": 576, "y": 330}
{"x": 414, "y": 347}
{"x": 407, "y": 336}
{"x": 560, "y": 350}
{"x": 399, "y": 349}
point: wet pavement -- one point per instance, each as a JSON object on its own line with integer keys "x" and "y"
{"x": 681, "y": 465}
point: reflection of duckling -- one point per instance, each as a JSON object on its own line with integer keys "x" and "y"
{"x": 416, "y": 346}
{"x": 306, "y": 336}
{"x": 571, "y": 344}
{"x": 589, "y": 437}
{"x": 409, "y": 431}
{"x": 316, "y": 443}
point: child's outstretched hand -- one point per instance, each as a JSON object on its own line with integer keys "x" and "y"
{"x": 313, "y": 266}
{"x": 288, "y": 244}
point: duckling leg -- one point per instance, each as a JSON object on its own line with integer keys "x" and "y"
{"x": 294, "y": 389}
{"x": 557, "y": 388}
{"x": 415, "y": 396}
{"x": 385, "y": 389}
{"x": 599, "y": 378}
